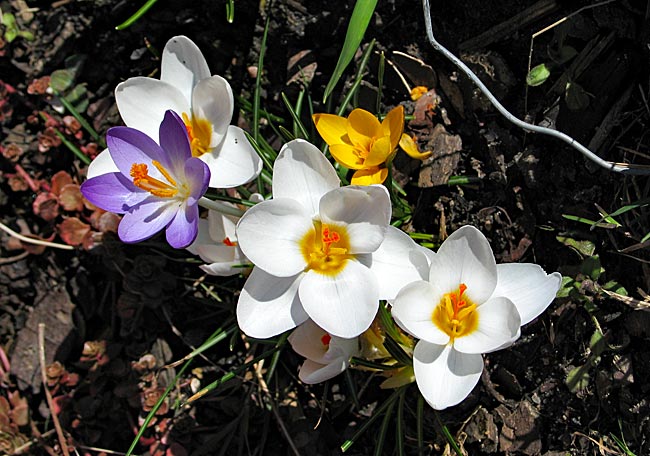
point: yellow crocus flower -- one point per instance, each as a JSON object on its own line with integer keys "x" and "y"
{"x": 362, "y": 143}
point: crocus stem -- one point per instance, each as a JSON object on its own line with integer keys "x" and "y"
{"x": 220, "y": 207}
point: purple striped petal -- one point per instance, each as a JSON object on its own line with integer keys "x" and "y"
{"x": 175, "y": 142}
{"x": 146, "y": 219}
{"x": 183, "y": 229}
{"x": 197, "y": 177}
{"x": 112, "y": 192}
{"x": 128, "y": 146}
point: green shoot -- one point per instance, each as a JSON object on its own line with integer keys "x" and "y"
{"x": 137, "y": 15}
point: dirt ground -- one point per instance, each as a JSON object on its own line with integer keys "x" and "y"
{"x": 115, "y": 314}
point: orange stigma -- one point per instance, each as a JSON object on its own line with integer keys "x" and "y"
{"x": 326, "y": 339}
{"x": 142, "y": 179}
{"x": 329, "y": 238}
{"x": 228, "y": 242}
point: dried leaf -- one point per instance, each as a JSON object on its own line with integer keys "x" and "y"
{"x": 72, "y": 230}
{"x": 71, "y": 198}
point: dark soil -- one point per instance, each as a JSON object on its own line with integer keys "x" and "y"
{"x": 115, "y": 314}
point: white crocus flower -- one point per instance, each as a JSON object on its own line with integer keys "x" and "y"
{"x": 204, "y": 102}
{"x": 216, "y": 244}
{"x": 317, "y": 251}
{"x": 327, "y": 355}
{"x": 469, "y": 306}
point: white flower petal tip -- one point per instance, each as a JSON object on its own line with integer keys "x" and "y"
{"x": 444, "y": 376}
{"x": 183, "y": 64}
{"x": 269, "y": 305}
{"x": 327, "y": 355}
{"x": 102, "y": 164}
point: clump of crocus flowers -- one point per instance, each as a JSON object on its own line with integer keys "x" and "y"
{"x": 319, "y": 257}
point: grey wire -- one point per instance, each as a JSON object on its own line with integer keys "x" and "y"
{"x": 623, "y": 168}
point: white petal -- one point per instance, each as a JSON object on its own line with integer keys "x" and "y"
{"x": 498, "y": 323}
{"x": 444, "y": 376}
{"x": 429, "y": 254}
{"x": 306, "y": 340}
{"x": 269, "y": 305}
{"x": 183, "y": 65}
{"x": 413, "y": 308}
{"x": 344, "y": 305}
{"x": 311, "y": 372}
{"x": 222, "y": 226}
{"x": 302, "y": 172}
{"x": 102, "y": 164}
{"x": 202, "y": 238}
{"x": 216, "y": 252}
{"x": 233, "y": 162}
{"x": 269, "y": 234}
{"x": 142, "y": 103}
{"x": 397, "y": 262}
{"x": 465, "y": 257}
{"x": 365, "y": 210}
{"x": 225, "y": 269}
{"x": 528, "y": 287}
{"x": 212, "y": 100}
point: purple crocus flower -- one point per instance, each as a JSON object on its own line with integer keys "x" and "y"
{"x": 156, "y": 186}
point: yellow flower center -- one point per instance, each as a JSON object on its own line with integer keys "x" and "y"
{"x": 455, "y": 314}
{"x": 141, "y": 179}
{"x": 199, "y": 132}
{"x": 325, "y": 248}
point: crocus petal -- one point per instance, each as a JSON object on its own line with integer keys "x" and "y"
{"x": 465, "y": 257}
{"x": 346, "y": 156}
{"x": 301, "y": 172}
{"x": 216, "y": 253}
{"x": 269, "y": 234}
{"x": 146, "y": 219}
{"x": 197, "y": 177}
{"x": 362, "y": 127}
{"x": 312, "y": 372}
{"x": 233, "y": 162}
{"x": 129, "y": 146}
{"x": 444, "y": 376}
{"x": 225, "y": 269}
{"x": 364, "y": 210}
{"x": 175, "y": 143}
{"x": 307, "y": 341}
{"x": 112, "y": 192}
{"x": 393, "y": 125}
{"x": 142, "y": 103}
{"x": 202, "y": 239}
{"x": 269, "y": 305}
{"x": 528, "y": 287}
{"x": 409, "y": 146}
{"x": 183, "y": 228}
{"x": 212, "y": 100}
{"x": 183, "y": 65}
{"x": 332, "y": 128}
{"x": 344, "y": 305}
{"x": 397, "y": 262}
{"x": 498, "y": 323}
{"x": 102, "y": 164}
{"x": 413, "y": 308}
{"x": 222, "y": 226}
{"x": 369, "y": 176}
{"x": 380, "y": 152}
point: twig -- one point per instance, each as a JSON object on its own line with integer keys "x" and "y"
{"x": 14, "y": 258}
{"x": 48, "y": 395}
{"x": 28, "y": 445}
{"x": 29, "y": 240}
{"x": 623, "y": 168}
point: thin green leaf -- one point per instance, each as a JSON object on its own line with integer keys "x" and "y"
{"x": 357, "y": 78}
{"x": 298, "y": 127}
{"x": 155, "y": 408}
{"x": 258, "y": 81}
{"x": 380, "y": 80}
{"x": 82, "y": 121}
{"x": 361, "y": 15}
{"x": 641, "y": 203}
{"x": 230, "y": 11}
{"x": 377, "y": 413}
{"x": 365, "y": 363}
{"x": 276, "y": 356}
{"x": 450, "y": 438}
{"x": 399, "y": 430}
{"x": 137, "y": 15}
{"x": 379, "y": 446}
{"x": 352, "y": 388}
{"x": 420, "y": 425}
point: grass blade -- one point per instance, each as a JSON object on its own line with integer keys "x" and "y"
{"x": 299, "y": 129}
{"x": 361, "y": 15}
{"x": 137, "y": 15}
{"x": 379, "y": 446}
{"x": 378, "y": 412}
{"x": 357, "y": 79}
{"x": 420, "y": 425}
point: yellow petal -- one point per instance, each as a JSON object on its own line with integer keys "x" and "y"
{"x": 369, "y": 176}
{"x": 409, "y": 146}
{"x": 393, "y": 125}
{"x": 362, "y": 127}
{"x": 344, "y": 154}
{"x": 333, "y": 129}
{"x": 380, "y": 153}
{"x": 417, "y": 92}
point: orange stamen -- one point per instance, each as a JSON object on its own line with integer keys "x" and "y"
{"x": 326, "y": 339}
{"x": 142, "y": 179}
